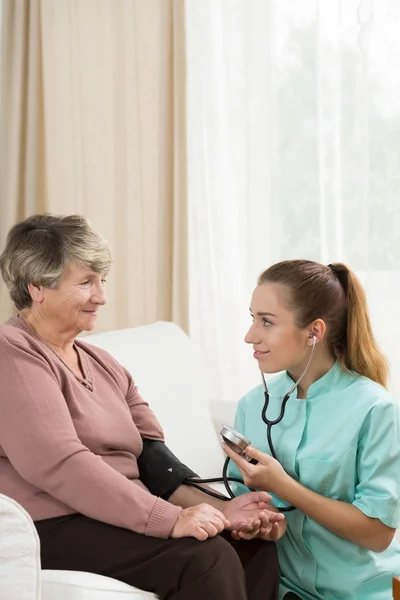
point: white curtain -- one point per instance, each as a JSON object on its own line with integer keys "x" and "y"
{"x": 293, "y": 152}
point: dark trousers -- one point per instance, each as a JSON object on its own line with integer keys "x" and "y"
{"x": 183, "y": 569}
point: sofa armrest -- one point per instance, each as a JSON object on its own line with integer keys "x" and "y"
{"x": 19, "y": 553}
{"x": 396, "y": 588}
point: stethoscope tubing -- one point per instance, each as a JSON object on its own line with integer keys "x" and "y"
{"x": 269, "y": 423}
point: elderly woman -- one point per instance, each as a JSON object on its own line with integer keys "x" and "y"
{"x": 72, "y": 425}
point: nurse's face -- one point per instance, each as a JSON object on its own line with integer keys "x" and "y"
{"x": 278, "y": 343}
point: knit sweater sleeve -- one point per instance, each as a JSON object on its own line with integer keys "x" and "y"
{"x": 39, "y": 438}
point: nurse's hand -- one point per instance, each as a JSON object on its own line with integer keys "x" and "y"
{"x": 272, "y": 527}
{"x": 267, "y": 474}
{"x": 247, "y": 512}
{"x": 276, "y": 531}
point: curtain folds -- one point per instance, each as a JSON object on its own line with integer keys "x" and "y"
{"x": 93, "y": 122}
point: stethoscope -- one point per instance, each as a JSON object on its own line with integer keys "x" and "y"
{"x": 269, "y": 423}
{"x": 264, "y": 417}
{"x": 239, "y": 442}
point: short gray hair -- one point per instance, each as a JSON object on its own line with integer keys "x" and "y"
{"x": 39, "y": 248}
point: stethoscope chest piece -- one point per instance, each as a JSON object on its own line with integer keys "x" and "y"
{"x": 237, "y": 442}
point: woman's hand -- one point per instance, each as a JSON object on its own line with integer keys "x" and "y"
{"x": 267, "y": 475}
{"x": 201, "y": 522}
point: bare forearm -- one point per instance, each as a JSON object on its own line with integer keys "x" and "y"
{"x": 186, "y": 496}
{"x": 341, "y": 518}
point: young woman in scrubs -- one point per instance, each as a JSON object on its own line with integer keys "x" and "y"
{"x": 338, "y": 445}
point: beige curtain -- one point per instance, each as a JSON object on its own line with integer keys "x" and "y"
{"x": 93, "y": 122}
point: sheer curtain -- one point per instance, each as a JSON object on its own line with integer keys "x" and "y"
{"x": 293, "y": 152}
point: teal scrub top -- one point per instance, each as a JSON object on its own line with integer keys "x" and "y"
{"x": 343, "y": 442}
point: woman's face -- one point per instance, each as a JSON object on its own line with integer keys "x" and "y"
{"x": 74, "y": 305}
{"x": 278, "y": 343}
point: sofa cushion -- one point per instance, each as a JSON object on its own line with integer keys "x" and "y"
{"x": 76, "y": 585}
{"x": 171, "y": 376}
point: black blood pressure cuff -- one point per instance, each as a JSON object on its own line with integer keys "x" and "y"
{"x": 160, "y": 470}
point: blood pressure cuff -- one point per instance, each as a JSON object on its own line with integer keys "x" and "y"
{"x": 160, "y": 470}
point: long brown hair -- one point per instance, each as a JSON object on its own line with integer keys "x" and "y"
{"x": 335, "y": 295}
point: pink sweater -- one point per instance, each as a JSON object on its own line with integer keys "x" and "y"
{"x": 71, "y": 445}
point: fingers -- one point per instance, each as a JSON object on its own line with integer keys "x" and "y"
{"x": 276, "y": 517}
{"x": 210, "y": 529}
{"x": 210, "y": 513}
{"x": 241, "y": 535}
{"x": 241, "y": 462}
{"x": 266, "y": 530}
{"x": 214, "y": 523}
{"x": 254, "y": 476}
{"x": 218, "y": 515}
{"x": 235, "y": 535}
{"x": 264, "y": 517}
{"x": 254, "y": 453}
{"x": 263, "y": 522}
{"x": 267, "y": 518}
{"x": 274, "y": 533}
{"x": 200, "y": 521}
{"x": 269, "y": 533}
{"x": 261, "y": 497}
{"x": 251, "y": 528}
{"x": 211, "y": 519}
{"x": 199, "y": 533}
{"x": 248, "y": 525}
{"x": 204, "y": 530}
{"x": 238, "y": 460}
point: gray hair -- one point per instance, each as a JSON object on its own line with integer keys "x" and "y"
{"x": 39, "y": 248}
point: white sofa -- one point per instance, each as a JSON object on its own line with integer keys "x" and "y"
{"x": 171, "y": 376}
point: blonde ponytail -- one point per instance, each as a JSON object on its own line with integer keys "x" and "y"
{"x": 360, "y": 352}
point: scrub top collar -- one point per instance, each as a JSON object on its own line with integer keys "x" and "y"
{"x": 333, "y": 379}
